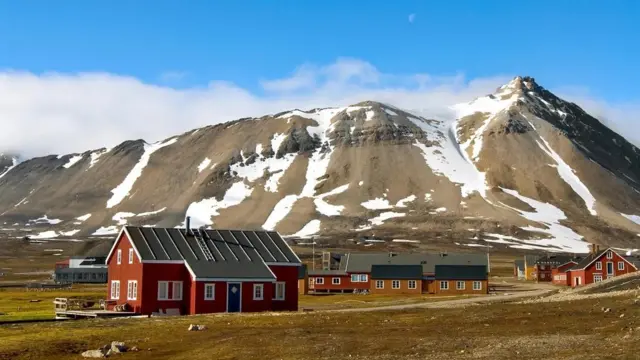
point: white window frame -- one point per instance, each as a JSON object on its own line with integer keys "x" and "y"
{"x": 132, "y": 290}
{"x": 395, "y": 284}
{"x": 119, "y": 257}
{"x": 477, "y": 285}
{"x": 458, "y": 287}
{"x": 379, "y": 284}
{"x": 541, "y": 267}
{"x": 275, "y": 293}
{"x": 621, "y": 265}
{"x": 542, "y": 275}
{"x": 609, "y": 254}
{"x": 115, "y": 289}
{"x": 258, "y": 294}
{"x": 413, "y": 284}
{"x": 355, "y": 278}
{"x": 174, "y": 292}
{"x": 445, "y": 283}
{"x": 213, "y": 292}
{"x": 599, "y": 276}
{"x": 131, "y": 256}
{"x": 165, "y": 295}
{"x": 334, "y": 282}
{"x": 319, "y": 281}
{"x": 599, "y": 265}
{"x": 364, "y": 277}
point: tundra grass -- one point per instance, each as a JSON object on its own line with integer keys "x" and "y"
{"x": 566, "y": 330}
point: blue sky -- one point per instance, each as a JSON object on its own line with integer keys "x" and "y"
{"x": 117, "y": 70}
{"x": 562, "y": 43}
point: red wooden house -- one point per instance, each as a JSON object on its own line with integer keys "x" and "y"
{"x": 599, "y": 266}
{"x": 559, "y": 273}
{"x": 202, "y": 271}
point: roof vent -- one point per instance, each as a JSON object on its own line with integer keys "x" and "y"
{"x": 187, "y": 226}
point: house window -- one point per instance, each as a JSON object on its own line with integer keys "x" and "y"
{"x": 395, "y": 284}
{"x": 459, "y": 285}
{"x": 379, "y": 284}
{"x": 258, "y": 292}
{"x": 177, "y": 290}
{"x": 363, "y": 278}
{"x": 209, "y": 291}
{"x": 413, "y": 284}
{"x": 132, "y": 290}
{"x": 131, "y": 256}
{"x": 279, "y": 293}
{"x": 609, "y": 254}
{"x": 620, "y": 265}
{"x": 115, "y": 289}
{"x": 119, "y": 260}
{"x": 444, "y": 285}
{"x": 335, "y": 281}
{"x": 598, "y": 266}
{"x": 355, "y": 278}
{"x": 163, "y": 290}
{"x": 542, "y": 276}
{"x": 541, "y": 267}
{"x": 477, "y": 285}
{"x": 320, "y": 281}
{"x": 597, "y": 278}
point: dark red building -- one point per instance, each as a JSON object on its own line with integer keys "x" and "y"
{"x": 195, "y": 271}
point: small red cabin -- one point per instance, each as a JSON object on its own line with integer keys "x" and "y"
{"x": 195, "y": 271}
{"x": 599, "y": 266}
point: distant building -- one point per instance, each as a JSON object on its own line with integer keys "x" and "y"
{"x": 375, "y": 272}
{"x": 81, "y": 270}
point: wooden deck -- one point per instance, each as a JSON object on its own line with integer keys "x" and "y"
{"x": 79, "y": 314}
{"x": 74, "y": 308}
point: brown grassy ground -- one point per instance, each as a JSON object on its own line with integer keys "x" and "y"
{"x": 567, "y": 330}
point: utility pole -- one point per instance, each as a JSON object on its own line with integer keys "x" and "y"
{"x": 313, "y": 252}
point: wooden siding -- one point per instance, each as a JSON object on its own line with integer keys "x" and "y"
{"x": 388, "y": 288}
{"x": 468, "y": 287}
{"x": 327, "y": 285}
{"x": 288, "y": 275}
{"x": 125, "y": 272}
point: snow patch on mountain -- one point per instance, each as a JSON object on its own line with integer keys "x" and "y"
{"x": 279, "y": 212}
{"x": 123, "y": 190}
{"x": 405, "y": 201}
{"x": 562, "y": 237}
{"x": 311, "y": 228}
{"x": 202, "y": 211}
{"x": 72, "y": 161}
{"x": 95, "y": 156}
{"x": 203, "y": 165}
{"x": 377, "y": 204}
{"x": 634, "y": 218}
{"x": 568, "y": 175}
{"x": 15, "y": 163}
{"x": 83, "y": 217}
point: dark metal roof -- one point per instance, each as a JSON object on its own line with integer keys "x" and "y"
{"x": 396, "y": 272}
{"x": 530, "y": 260}
{"x": 215, "y": 253}
{"x": 588, "y": 260}
{"x": 302, "y": 271}
{"x": 96, "y": 260}
{"x": 362, "y": 262}
{"x": 519, "y": 264}
{"x": 556, "y": 260}
{"x": 318, "y": 272}
{"x": 456, "y": 272}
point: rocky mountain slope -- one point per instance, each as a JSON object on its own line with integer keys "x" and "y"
{"x": 519, "y": 167}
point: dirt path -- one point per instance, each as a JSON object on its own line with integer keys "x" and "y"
{"x": 530, "y": 290}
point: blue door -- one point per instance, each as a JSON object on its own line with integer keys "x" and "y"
{"x": 234, "y": 294}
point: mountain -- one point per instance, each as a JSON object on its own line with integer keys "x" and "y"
{"x": 520, "y": 168}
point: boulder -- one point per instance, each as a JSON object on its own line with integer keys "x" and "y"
{"x": 97, "y": 354}
{"x": 118, "y": 347}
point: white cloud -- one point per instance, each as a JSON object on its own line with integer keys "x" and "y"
{"x": 172, "y": 76}
{"x": 412, "y": 17}
{"x": 65, "y": 113}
